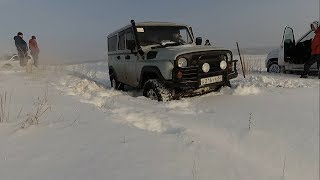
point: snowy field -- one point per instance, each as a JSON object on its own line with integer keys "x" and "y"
{"x": 264, "y": 127}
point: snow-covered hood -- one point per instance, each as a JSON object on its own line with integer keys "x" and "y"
{"x": 171, "y": 53}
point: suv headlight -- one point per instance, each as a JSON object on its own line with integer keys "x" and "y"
{"x": 223, "y": 65}
{"x": 182, "y": 62}
{"x": 206, "y": 67}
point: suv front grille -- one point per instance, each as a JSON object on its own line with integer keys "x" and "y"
{"x": 214, "y": 62}
{"x": 193, "y": 73}
{"x": 189, "y": 74}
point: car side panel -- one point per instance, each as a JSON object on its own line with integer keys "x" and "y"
{"x": 165, "y": 68}
{"x": 118, "y": 66}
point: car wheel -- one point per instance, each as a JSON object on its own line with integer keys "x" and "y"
{"x": 274, "y": 68}
{"x": 116, "y": 84}
{"x": 155, "y": 90}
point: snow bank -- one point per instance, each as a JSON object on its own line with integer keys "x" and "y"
{"x": 122, "y": 106}
{"x": 216, "y": 125}
{"x": 98, "y": 72}
{"x": 95, "y": 132}
{"x": 241, "y": 90}
{"x": 267, "y": 80}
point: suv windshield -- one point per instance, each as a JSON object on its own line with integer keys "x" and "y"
{"x": 153, "y": 35}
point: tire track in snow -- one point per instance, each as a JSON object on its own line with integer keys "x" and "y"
{"x": 124, "y": 108}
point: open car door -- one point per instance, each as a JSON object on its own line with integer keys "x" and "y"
{"x": 303, "y": 48}
{"x": 287, "y": 49}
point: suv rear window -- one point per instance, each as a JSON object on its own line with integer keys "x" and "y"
{"x": 122, "y": 45}
{"x": 112, "y": 44}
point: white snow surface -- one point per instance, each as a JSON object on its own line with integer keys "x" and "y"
{"x": 95, "y": 132}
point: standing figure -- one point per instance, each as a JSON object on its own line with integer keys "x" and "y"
{"x": 315, "y": 53}
{"x": 33, "y": 45}
{"x": 22, "y": 48}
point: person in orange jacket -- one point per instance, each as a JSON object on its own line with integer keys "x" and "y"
{"x": 315, "y": 53}
{"x": 33, "y": 46}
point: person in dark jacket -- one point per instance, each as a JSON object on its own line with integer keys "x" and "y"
{"x": 315, "y": 53}
{"x": 22, "y": 48}
{"x": 34, "y": 50}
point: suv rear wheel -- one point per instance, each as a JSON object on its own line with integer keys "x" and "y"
{"x": 115, "y": 83}
{"x": 155, "y": 90}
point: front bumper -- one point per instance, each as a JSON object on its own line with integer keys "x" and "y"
{"x": 192, "y": 77}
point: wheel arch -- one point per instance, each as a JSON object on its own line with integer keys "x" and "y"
{"x": 112, "y": 71}
{"x": 149, "y": 72}
{"x": 272, "y": 61}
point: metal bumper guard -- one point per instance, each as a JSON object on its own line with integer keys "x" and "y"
{"x": 192, "y": 77}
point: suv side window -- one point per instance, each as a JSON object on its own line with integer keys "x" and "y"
{"x": 112, "y": 44}
{"x": 121, "y": 45}
{"x": 129, "y": 35}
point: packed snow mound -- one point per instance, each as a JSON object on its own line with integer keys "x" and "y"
{"x": 241, "y": 90}
{"x": 89, "y": 89}
{"x": 276, "y": 81}
{"x": 245, "y": 132}
{"x": 98, "y": 72}
{"x": 122, "y": 106}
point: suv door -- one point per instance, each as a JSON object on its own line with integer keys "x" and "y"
{"x": 120, "y": 60}
{"x": 131, "y": 61}
{"x": 287, "y": 47}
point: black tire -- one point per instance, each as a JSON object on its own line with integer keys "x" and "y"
{"x": 115, "y": 83}
{"x": 274, "y": 68}
{"x": 155, "y": 90}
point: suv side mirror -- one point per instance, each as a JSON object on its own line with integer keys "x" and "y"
{"x": 131, "y": 45}
{"x": 199, "y": 41}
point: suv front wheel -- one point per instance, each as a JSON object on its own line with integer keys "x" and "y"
{"x": 155, "y": 90}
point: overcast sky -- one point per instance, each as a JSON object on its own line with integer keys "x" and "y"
{"x": 77, "y": 29}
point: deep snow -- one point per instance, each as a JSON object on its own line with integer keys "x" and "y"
{"x": 95, "y": 132}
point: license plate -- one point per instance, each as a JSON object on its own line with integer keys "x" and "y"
{"x": 210, "y": 80}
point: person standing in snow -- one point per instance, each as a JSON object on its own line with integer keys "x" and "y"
{"x": 33, "y": 45}
{"x": 22, "y": 48}
{"x": 315, "y": 54}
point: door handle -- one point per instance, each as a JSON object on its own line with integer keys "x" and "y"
{"x": 118, "y": 57}
{"x": 127, "y": 57}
